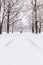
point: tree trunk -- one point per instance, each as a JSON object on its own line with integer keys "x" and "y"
{"x": 8, "y": 17}
{"x": 36, "y": 27}
{"x": 0, "y": 5}
{"x": 12, "y": 27}
{"x": 40, "y": 28}
{"x": 32, "y": 21}
{"x": 8, "y": 24}
{"x": 0, "y": 19}
{"x": 35, "y": 10}
{"x": 0, "y": 27}
{"x": 8, "y": 20}
{"x": 32, "y": 27}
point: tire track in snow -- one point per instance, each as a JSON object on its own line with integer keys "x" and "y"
{"x": 6, "y": 46}
{"x": 33, "y": 44}
{"x": 9, "y": 43}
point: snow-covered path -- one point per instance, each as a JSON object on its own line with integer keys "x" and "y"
{"x": 19, "y": 49}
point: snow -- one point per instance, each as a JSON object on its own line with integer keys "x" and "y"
{"x": 21, "y": 49}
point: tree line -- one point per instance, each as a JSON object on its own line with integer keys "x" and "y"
{"x": 9, "y": 11}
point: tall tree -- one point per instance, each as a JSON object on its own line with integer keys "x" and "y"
{"x": 34, "y": 24}
{"x": 8, "y": 18}
{"x": 0, "y": 19}
{"x": 14, "y": 14}
{"x": 35, "y": 10}
{"x": 32, "y": 18}
{"x": 0, "y": 5}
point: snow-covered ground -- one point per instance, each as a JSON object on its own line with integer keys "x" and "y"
{"x": 21, "y": 49}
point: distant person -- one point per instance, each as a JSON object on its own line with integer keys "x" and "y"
{"x": 20, "y": 31}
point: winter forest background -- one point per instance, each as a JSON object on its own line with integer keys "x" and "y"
{"x": 21, "y": 15}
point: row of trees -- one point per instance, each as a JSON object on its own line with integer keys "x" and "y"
{"x": 37, "y": 15}
{"x": 10, "y": 10}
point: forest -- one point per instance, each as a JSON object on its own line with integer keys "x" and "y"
{"x": 20, "y": 15}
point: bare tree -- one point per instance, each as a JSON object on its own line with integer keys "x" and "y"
{"x": 2, "y": 14}
{"x": 35, "y": 16}
{"x": 0, "y": 19}
{"x": 0, "y": 5}
{"x": 8, "y": 18}
{"x": 13, "y": 12}
{"x": 35, "y": 21}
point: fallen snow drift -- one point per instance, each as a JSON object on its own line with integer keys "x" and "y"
{"x": 21, "y": 49}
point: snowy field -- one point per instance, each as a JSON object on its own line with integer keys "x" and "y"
{"x": 21, "y": 49}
